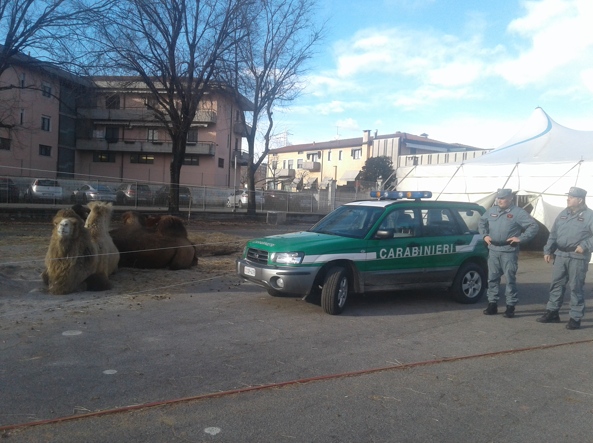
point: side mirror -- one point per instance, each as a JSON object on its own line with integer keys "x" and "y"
{"x": 385, "y": 233}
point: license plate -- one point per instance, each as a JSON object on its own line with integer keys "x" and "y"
{"x": 249, "y": 271}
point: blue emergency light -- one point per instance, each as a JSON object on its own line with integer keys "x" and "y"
{"x": 396, "y": 195}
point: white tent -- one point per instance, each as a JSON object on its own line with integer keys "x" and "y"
{"x": 542, "y": 161}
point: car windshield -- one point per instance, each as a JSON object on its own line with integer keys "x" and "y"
{"x": 104, "y": 188}
{"x": 349, "y": 221}
{"x": 47, "y": 183}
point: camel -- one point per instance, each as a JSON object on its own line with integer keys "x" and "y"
{"x": 71, "y": 261}
{"x": 153, "y": 242}
{"x": 97, "y": 222}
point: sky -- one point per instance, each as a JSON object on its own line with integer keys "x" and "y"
{"x": 460, "y": 71}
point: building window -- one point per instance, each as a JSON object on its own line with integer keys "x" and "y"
{"x": 112, "y": 134}
{"x": 46, "y": 89}
{"x": 4, "y": 144}
{"x": 357, "y": 154}
{"x": 22, "y": 117}
{"x": 104, "y": 157}
{"x": 45, "y": 150}
{"x": 192, "y": 136}
{"x": 191, "y": 160}
{"x": 300, "y": 163}
{"x": 339, "y": 155}
{"x": 220, "y": 162}
{"x": 142, "y": 158}
{"x": 45, "y": 123}
{"x": 153, "y": 135}
{"x": 283, "y": 164}
{"x": 290, "y": 164}
{"x": 112, "y": 102}
{"x": 329, "y": 156}
{"x": 22, "y": 80}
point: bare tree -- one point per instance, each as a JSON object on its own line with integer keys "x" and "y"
{"x": 281, "y": 38}
{"x": 176, "y": 48}
{"x": 42, "y": 26}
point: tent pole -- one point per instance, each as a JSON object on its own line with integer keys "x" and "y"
{"x": 447, "y": 184}
{"x": 400, "y": 181}
{"x": 510, "y": 175}
{"x": 554, "y": 182}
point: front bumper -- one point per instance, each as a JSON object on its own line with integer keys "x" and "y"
{"x": 287, "y": 280}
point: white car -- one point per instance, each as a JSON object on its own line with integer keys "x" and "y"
{"x": 43, "y": 189}
{"x": 241, "y": 199}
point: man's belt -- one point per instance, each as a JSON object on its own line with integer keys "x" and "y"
{"x": 498, "y": 243}
{"x": 567, "y": 249}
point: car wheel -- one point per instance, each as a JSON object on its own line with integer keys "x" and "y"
{"x": 228, "y": 203}
{"x": 240, "y": 204}
{"x": 470, "y": 284}
{"x": 335, "y": 291}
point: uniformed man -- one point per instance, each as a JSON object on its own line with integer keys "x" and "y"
{"x": 569, "y": 247}
{"x": 504, "y": 227}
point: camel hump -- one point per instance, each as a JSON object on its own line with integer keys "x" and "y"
{"x": 171, "y": 226}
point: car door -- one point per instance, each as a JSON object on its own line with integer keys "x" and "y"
{"x": 397, "y": 261}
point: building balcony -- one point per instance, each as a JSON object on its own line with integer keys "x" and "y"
{"x": 135, "y": 116}
{"x": 129, "y": 145}
{"x": 242, "y": 158}
{"x": 285, "y": 173}
{"x": 240, "y": 128}
{"x": 312, "y": 166}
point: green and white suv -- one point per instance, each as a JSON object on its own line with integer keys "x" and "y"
{"x": 395, "y": 241}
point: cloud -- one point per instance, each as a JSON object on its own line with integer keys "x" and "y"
{"x": 557, "y": 35}
{"x": 348, "y": 124}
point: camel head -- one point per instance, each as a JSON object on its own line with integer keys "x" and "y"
{"x": 67, "y": 225}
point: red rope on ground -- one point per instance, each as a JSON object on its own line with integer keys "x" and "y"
{"x": 282, "y": 384}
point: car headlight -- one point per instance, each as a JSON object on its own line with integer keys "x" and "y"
{"x": 287, "y": 258}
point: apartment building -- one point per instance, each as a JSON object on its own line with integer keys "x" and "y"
{"x": 58, "y": 125}
{"x": 315, "y": 165}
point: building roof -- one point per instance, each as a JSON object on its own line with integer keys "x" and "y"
{"x": 333, "y": 144}
{"x": 410, "y": 140}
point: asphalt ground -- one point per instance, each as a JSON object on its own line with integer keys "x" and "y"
{"x": 219, "y": 360}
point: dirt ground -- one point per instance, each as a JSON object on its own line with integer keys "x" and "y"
{"x": 23, "y": 246}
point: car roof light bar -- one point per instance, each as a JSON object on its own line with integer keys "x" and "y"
{"x": 397, "y": 195}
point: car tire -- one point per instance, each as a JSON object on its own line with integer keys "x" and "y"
{"x": 334, "y": 293}
{"x": 470, "y": 284}
{"x": 240, "y": 204}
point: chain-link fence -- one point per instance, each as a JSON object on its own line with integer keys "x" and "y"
{"x": 24, "y": 191}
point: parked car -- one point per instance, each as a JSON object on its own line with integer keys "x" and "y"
{"x": 9, "y": 192}
{"x": 43, "y": 189}
{"x": 161, "y": 197}
{"x": 241, "y": 199}
{"x": 88, "y": 192}
{"x": 133, "y": 194}
{"x": 288, "y": 201}
{"x": 398, "y": 241}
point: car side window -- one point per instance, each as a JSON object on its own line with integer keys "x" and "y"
{"x": 439, "y": 222}
{"x": 403, "y": 223}
{"x": 471, "y": 219}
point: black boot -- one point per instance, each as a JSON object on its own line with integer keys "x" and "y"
{"x": 573, "y": 324}
{"x": 492, "y": 309}
{"x": 510, "y": 312}
{"x": 549, "y": 317}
